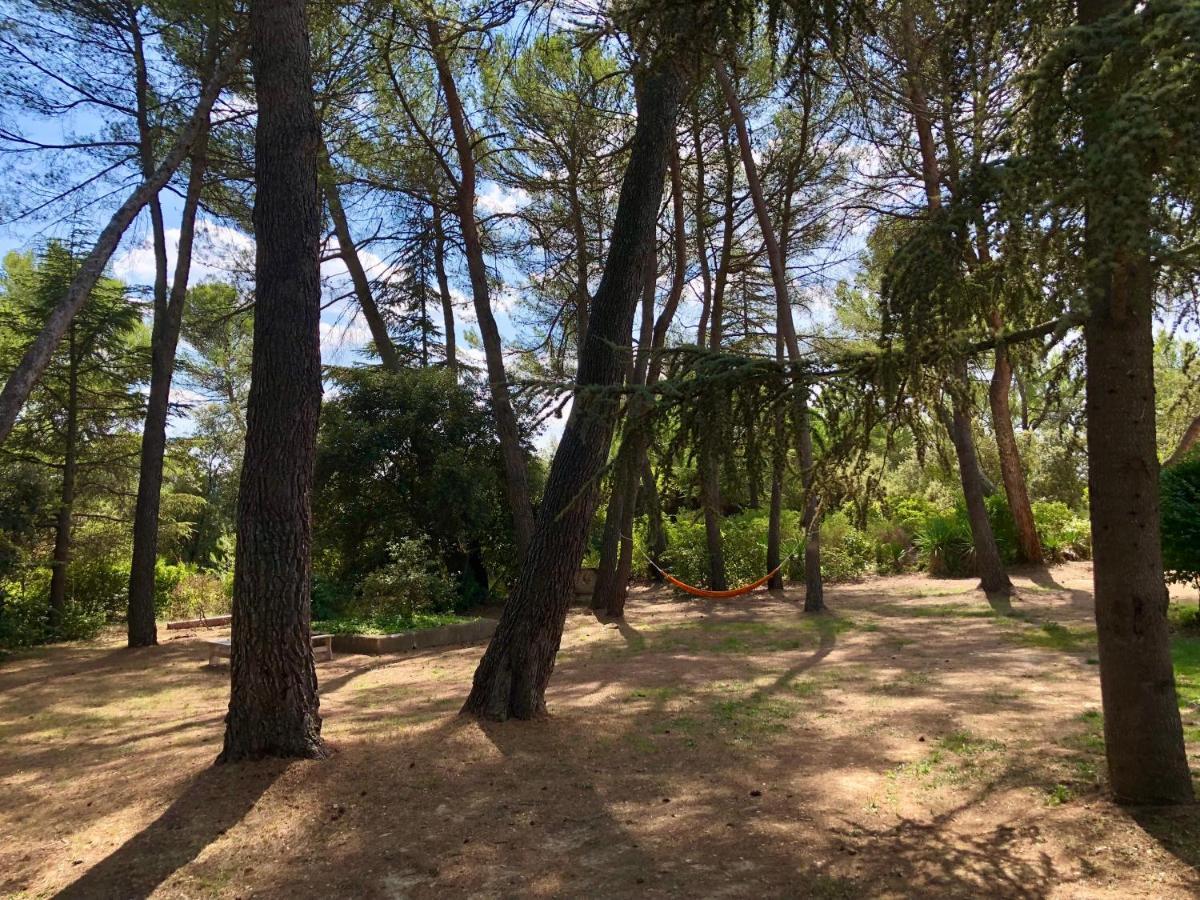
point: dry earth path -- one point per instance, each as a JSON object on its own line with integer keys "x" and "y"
{"x": 914, "y": 742}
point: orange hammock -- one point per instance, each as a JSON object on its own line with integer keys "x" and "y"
{"x": 717, "y": 595}
{"x": 720, "y": 595}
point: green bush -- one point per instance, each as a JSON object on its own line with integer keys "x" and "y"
{"x": 25, "y": 612}
{"x": 412, "y": 581}
{"x": 197, "y": 593}
{"x": 1179, "y": 488}
{"x": 1064, "y": 535}
{"x": 944, "y": 544}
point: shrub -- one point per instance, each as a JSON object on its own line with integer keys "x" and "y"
{"x": 1064, "y": 535}
{"x": 195, "y": 594}
{"x": 944, "y": 543}
{"x": 1179, "y": 488}
{"x": 412, "y": 581}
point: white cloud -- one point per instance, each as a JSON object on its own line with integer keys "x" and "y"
{"x": 218, "y": 252}
{"x": 497, "y": 199}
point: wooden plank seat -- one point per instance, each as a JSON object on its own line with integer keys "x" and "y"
{"x": 221, "y": 648}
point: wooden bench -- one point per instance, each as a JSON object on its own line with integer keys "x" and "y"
{"x": 218, "y": 649}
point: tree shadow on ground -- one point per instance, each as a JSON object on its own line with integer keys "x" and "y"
{"x": 1176, "y": 828}
{"x": 212, "y": 803}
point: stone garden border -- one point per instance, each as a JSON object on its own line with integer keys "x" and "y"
{"x": 419, "y": 639}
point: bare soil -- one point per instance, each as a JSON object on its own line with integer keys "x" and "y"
{"x": 913, "y": 742}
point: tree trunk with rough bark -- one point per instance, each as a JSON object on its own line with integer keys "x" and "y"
{"x": 142, "y": 631}
{"x": 273, "y": 703}
{"x": 512, "y": 677}
{"x": 37, "y": 356}
{"x": 1143, "y": 734}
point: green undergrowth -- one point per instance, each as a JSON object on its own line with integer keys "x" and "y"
{"x": 387, "y": 624}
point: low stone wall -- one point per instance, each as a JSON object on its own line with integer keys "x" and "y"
{"x": 420, "y": 639}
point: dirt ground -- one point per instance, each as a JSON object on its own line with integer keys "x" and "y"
{"x": 911, "y": 743}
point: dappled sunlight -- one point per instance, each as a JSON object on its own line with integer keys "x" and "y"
{"x": 865, "y": 751}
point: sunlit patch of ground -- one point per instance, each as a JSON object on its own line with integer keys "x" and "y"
{"x": 915, "y": 741}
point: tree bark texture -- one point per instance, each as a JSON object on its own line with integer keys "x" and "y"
{"x": 1143, "y": 734}
{"x": 273, "y": 703}
{"x": 1011, "y": 471}
{"x": 512, "y": 677}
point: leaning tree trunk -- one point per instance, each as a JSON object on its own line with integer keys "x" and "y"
{"x": 512, "y": 676}
{"x": 992, "y": 577}
{"x": 273, "y": 703}
{"x": 616, "y": 561}
{"x": 1191, "y": 436}
{"x": 1011, "y": 471}
{"x": 348, "y": 251}
{"x": 37, "y": 356}
{"x": 656, "y": 532}
{"x": 142, "y": 630}
{"x": 516, "y": 474}
{"x": 814, "y": 596}
{"x": 1143, "y": 735}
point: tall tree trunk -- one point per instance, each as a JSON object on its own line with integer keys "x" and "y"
{"x": 701, "y": 216}
{"x": 348, "y": 251}
{"x": 37, "y": 356}
{"x": 992, "y": 577}
{"x": 1011, "y": 471}
{"x": 439, "y": 266}
{"x": 611, "y": 583}
{"x": 1143, "y": 735}
{"x": 814, "y": 596}
{"x": 708, "y": 471}
{"x": 273, "y": 703}
{"x": 516, "y": 475}
{"x": 778, "y": 470}
{"x": 656, "y": 533}
{"x": 66, "y": 497}
{"x": 616, "y": 558}
{"x": 142, "y": 631}
{"x": 512, "y": 676}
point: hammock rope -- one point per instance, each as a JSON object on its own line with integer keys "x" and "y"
{"x": 716, "y": 595}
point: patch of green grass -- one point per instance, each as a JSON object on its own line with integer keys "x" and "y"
{"x": 1185, "y": 653}
{"x": 753, "y": 716}
{"x": 1053, "y": 636}
{"x": 1058, "y": 795}
{"x": 966, "y": 744}
{"x": 387, "y": 624}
